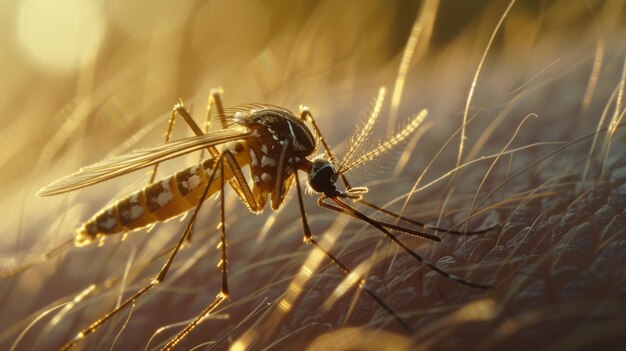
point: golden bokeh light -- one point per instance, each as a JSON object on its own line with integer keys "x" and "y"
{"x": 149, "y": 20}
{"x": 59, "y": 35}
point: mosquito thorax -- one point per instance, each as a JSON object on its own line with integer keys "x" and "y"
{"x": 278, "y": 138}
{"x": 322, "y": 177}
{"x": 274, "y": 127}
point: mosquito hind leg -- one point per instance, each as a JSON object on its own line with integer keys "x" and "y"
{"x": 179, "y": 109}
{"x": 352, "y": 212}
{"x": 168, "y": 137}
{"x": 158, "y": 279}
{"x": 426, "y": 226}
{"x": 215, "y": 100}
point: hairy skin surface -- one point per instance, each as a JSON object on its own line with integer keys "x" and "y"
{"x": 557, "y": 260}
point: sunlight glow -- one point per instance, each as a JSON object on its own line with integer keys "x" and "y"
{"x": 60, "y": 35}
{"x": 350, "y": 280}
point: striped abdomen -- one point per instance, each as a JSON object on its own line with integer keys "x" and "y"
{"x": 156, "y": 202}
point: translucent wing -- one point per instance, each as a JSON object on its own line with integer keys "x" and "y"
{"x": 119, "y": 165}
{"x": 383, "y": 147}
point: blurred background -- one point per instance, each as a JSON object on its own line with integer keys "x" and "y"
{"x": 86, "y": 80}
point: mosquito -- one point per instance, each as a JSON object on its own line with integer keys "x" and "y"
{"x": 274, "y": 144}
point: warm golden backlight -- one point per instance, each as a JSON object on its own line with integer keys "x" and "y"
{"x": 542, "y": 153}
{"x": 58, "y": 35}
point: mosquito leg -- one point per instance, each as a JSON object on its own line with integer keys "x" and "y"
{"x": 214, "y": 101}
{"x": 426, "y": 226}
{"x": 223, "y": 295}
{"x": 304, "y": 113}
{"x": 348, "y": 210}
{"x": 168, "y": 136}
{"x": 159, "y": 277}
{"x": 182, "y": 111}
{"x": 216, "y": 97}
{"x": 308, "y": 238}
{"x": 411, "y": 232}
{"x": 238, "y": 184}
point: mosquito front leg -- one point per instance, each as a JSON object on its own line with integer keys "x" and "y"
{"x": 350, "y": 211}
{"x": 305, "y": 114}
{"x": 309, "y": 239}
{"x": 426, "y": 226}
{"x": 213, "y": 101}
{"x": 160, "y": 277}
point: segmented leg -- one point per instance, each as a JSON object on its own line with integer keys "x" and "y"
{"x": 238, "y": 184}
{"x": 209, "y": 113}
{"x": 223, "y": 295}
{"x": 308, "y": 238}
{"x": 347, "y": 209}
{"x": 160, "y": 277}
{"x": 305, "y": 114}
{"x": 168, "y": 137}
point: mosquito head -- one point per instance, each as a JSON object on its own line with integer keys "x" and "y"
{"x": 322, "y": 177}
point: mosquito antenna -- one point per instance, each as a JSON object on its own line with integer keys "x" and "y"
{"x": 387, "y": 145}
{"x": 37, "y": 260}
{"x": 348, "y": 210}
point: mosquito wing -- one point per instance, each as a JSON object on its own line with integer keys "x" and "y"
{"x": 119, "y": 165}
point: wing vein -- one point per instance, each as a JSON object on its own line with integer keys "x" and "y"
{"x": 135, "y": 160}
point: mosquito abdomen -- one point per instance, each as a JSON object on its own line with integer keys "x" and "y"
{"x": 156, "y": 202}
